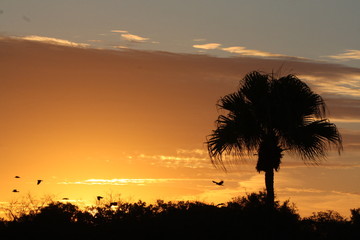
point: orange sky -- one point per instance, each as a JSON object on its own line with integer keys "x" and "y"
{"x": 70, "y": 114}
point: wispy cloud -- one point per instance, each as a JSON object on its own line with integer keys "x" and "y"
{"x": 251, "y": 52}
{"x": 117, "y": 181}
{"x": 200, "y": 152}
{"x": 189, "y": 160}
{"x": 95, "y": 40}
{"x": 207, "y": 46}
{"x": 134, "y": 38}
{"x": 345, "y": 84}
{"x": 130, "y": 181}
{"x": 55, "y": 41}
{"x": 131, "y": 37}
{"x": 120, "y": 47}
{"x": 349, "y": 54}
{"x": 240, "y": 50}
{"x": 119, "y": 31}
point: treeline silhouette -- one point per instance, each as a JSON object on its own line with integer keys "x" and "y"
{"x": 241, "y": 218}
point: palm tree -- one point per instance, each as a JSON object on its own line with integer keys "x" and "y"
{"x": 268, "y": 116}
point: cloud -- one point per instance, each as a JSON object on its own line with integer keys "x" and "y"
{"x": 345, "y": 84}
{"x": 119, "y": 31}
{"x": 116, "y": 181}
{"x": 134, "y": 38}
{"x": 344, "y": 109}
{"x": 55, "y": 41}
{"x": 182, "y": 159}
{"x": 250, "y": 52}
{"x": 292, "y": 164}
{"x": 95, "y": 40}
{"x": 132, "y": 181}
{"x": 120, "y": 47}
{"x": 238, "y": 50}
{"x": 349, "y": 54}
{"x": 208, "y": 46}
{"x": 199, "y": 152}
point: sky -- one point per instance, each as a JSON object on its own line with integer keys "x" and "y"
{"x": 117, "y": 97}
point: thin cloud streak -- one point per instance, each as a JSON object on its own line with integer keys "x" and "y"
{"x": 132, "y": 181}
{"x": 134, "y": 38}
{"x": 177, "y": 161}
{"x": 119, "y": 31}
{"x": 350, "y": 54}
{"x": 243, "y": 51}
{"x": 347, "y": 84}
{"x": 55, "y": 41}
{"x": 207, "y": 46}
{"x": 126, "y": 35}
{"x": 250, "y": 52}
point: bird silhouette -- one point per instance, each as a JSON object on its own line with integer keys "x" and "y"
{"x": 113, "y": 204}
{"x": 221, "y": 183}
{"x": 15, "y": 190}
{"x": 65, "y": 198}
{"x": 39, "y": 181}
{"x": 99, "y": 197}
{"x": 17, "y": 176}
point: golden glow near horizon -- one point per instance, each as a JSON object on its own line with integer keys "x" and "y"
{"x": 90, "y": 121}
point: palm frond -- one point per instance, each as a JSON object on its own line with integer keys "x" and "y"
{"x": 255, "y": 86}
{"x": 292, "y": 95}
{"x": 311, "y": 141}
{"x": 223, "y": 140}
{"x": 233, "y": 102}
{"x": 234, "y": 136}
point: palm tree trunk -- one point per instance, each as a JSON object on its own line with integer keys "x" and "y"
{"x": 269, "y": 183}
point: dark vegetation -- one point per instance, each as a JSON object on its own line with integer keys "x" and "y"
{"x": 242, "y": 218}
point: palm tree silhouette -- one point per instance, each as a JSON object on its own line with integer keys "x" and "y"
{"x": 267, "y": 116}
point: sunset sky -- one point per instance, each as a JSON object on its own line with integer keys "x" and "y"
{"x": 118, "y": 97}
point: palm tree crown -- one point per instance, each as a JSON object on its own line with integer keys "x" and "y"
{"x": 267, "y": 116}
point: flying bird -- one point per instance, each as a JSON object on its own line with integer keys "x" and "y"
{"x": 221, "y": 183}
{"x": 99, "y": 197}
{"x": 39, "y": 181}
{"x": 15, "y": 190}
{"x": 17, "y": 176}
{"x": 65, "y": 198}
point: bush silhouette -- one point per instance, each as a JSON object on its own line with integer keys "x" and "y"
{"x": 242, "y": 216}
{"x": 355, "y": 216}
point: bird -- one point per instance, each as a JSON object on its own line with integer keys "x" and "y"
{"x": 113, "y": 204}
{"x": 65, "y": 198}
{"x": 221, "y": 183}
{"x": 39, "y": 181}
{"x": 99, "y": 197}
{"x": 17, "y": 176}
{"x": 15, "y": 190}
